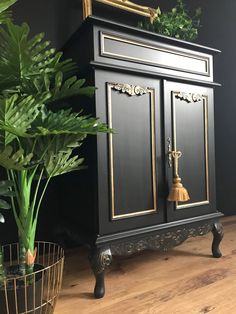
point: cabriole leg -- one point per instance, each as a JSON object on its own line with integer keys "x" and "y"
{"x": 100, "y": 258}
{"x": 218, "y": 234}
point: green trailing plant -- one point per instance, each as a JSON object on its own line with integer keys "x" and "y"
{"x": 39, "y": 137}
{"x": 175, "y": 23}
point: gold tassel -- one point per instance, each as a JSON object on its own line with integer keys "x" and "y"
{"x": 178, "y": 192}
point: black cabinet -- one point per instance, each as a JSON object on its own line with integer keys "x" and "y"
{"x": 157, "y": 95}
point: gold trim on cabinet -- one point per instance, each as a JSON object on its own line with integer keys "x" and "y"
{"x": 192, "y": 204}
{"x": 194, "y": 98}
{"x": 151, "y": 91}
{"x": 124, "y": 5}
{"x": 146, "y": 61}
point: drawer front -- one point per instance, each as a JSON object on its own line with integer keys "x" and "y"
{"x": 122, "y": 49}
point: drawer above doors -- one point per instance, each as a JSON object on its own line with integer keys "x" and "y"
{"x": 154, "y": 56}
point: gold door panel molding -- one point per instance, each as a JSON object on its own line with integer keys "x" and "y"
{"x": 131, "y": 91}
{"x": 193, "y": 98}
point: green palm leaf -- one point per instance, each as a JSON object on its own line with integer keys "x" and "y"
{"x": 5, "y": 190}
{"x": 70, "y": 87}
{"x": 57, "y": 153}
{"x": 14, "y": 160}
{"x": 65, "y": 122}
{"x": 5, "y": 4}
{"x": 63, "y": 163}
{"x": 4, "y": 204}
{"x": 16, "y": 116}
{"x": 22, "y": 60}
{"x": 5, "y": 16}
{"x": 59, "y": 87}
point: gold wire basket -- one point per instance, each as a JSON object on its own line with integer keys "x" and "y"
{"x": 34, "y": 293}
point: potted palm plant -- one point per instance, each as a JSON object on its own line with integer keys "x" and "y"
{"x": 39, "y": 134}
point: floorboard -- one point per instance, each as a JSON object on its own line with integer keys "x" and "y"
{"x": 184, "y": 280}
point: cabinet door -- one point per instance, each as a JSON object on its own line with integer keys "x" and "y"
{"x": 129, "y": 161}
{"x": 189, "y": 124}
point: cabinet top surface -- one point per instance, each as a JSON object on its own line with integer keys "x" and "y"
{"x": 96, "y": 21}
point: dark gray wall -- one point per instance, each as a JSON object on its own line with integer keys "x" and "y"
{"x": 218, "y": 28}
{"x": 60, "y": 18}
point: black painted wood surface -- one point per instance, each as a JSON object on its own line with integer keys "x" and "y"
{"x": 123, "y": 201}
{"x": 194, "y": 128}
{"x": 152, "y": 90}
{"x": 136, "y": 195}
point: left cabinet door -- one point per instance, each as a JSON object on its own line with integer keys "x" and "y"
{"x": 130, "y": 169}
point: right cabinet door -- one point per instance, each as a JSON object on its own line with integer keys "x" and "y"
{"x": 189, "y": 128}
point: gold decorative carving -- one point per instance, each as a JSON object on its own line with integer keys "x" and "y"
{"x": 131, "y": 90}
{"x": 189, "y": 97}
{"x": 124, "y": 5}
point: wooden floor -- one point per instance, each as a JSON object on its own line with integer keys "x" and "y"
{"x": 184, "y": 280}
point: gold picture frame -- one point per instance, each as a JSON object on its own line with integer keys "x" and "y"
{"x": 126, "y": 5}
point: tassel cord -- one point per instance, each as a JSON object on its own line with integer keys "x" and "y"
{"x": 176, "y": 156}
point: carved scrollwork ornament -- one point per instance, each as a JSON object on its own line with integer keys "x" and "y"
{"x": 189, "y": 97}
{"x": 100, "y": 260}
{"x": 131, "y": 90}
{"x": 162, "y": 241}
